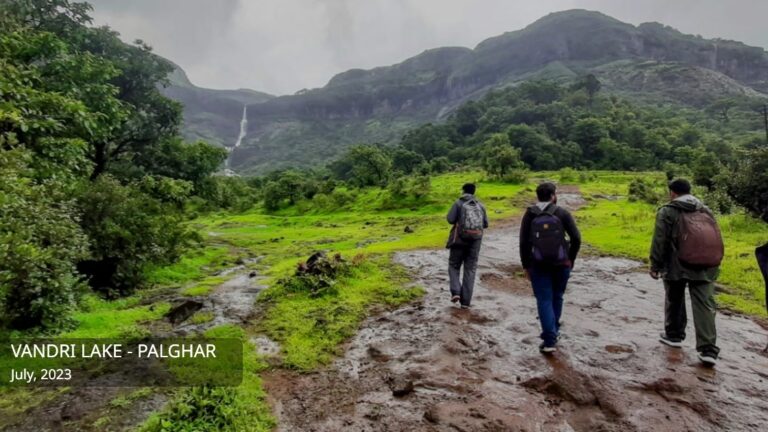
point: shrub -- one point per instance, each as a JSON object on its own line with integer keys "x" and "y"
{"x": 718, "y": 200}
{"x": 39, "y": 243}
{"x": 516, "y": 176}
{"x": 317, "y": 276}
{"x": 568, "y": 175}
{"x": 127, "y": 231}
{"x": 587, "y": 176}
{"x": 642, "y": 190}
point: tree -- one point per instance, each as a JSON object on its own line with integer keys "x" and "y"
{"x": 430, "y": 140}
{"x": 370, "y": 165}
{"x": 588, "y": 133}
{"x": 591, "y": 86}
{"x": 705, "y": 168}
{"x": 467, "y": 118}
{"x": 500, "y": 157}
{"x": 748, "y": 185}
{"x": 39, "y": 242}
{"x": 129, "y": 232}
{"x": 76, "y": 103}
{"x": 721, "y": 107}
{"x": 406, "y": 161}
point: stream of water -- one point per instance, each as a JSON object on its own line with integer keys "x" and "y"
{"x": 240, "y": 136}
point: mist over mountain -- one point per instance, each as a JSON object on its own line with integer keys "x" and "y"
{"x": 650, "y": 63}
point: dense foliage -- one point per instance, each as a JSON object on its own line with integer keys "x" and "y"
{"x": 93, "y": 175}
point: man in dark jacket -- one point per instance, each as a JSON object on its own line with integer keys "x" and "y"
{"x": 464, "y": 243}
{"x": 549, "y": 276}
{"x": 700, "y": 281}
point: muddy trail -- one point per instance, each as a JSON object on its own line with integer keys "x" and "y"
{"x": 433, "y": 367}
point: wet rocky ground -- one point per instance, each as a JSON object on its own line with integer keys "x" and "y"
{"x": 430, "y": 366}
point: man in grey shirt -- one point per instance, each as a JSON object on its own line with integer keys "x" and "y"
{"x": 469, "y": 219}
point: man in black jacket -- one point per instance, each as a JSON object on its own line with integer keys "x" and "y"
{"x": 469, "y": 219}
{"x": 548, "y": 258}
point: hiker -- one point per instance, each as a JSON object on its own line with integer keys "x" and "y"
{"x": 687, "y": 250}
{"x": 548, "y": 257}
{"x": 469, "y": 219}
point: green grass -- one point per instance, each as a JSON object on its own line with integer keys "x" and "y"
{"x": 227, "y": 409}
{"x": 202, "y": 317}
{"x": 311, "y": 329}
{"x": 121, "y": 318}
{"x": 203, "y": 287}
{"x": 625, "y": 228}
{"x": 194, "y": 265}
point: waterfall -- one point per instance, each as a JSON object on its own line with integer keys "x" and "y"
{"x": 240, "y": 136}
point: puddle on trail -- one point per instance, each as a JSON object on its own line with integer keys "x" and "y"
{"x": 480, "y": 370}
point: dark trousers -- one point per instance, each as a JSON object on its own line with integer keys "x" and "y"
{"x": 704, "y": 309}
{"x": 548, "y": 287}
{"x": 465, "y": 255}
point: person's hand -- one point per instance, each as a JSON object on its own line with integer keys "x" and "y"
{"x": 527, "y": 274}
{"x": 654, "y": 274}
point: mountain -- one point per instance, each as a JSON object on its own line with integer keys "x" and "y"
{"x": 210, "y": 115}
{"x": 650, "y": 62}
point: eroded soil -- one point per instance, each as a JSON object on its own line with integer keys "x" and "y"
{"x": 432, "y": 367}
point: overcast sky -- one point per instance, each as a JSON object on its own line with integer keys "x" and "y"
{"x": 281, "y": 46}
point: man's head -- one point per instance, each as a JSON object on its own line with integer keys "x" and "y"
{"x": 469, "y": 188}
{"x": 679, "y": 187}
{"x": 545, "y": 192}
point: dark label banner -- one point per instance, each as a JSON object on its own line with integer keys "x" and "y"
{"x": 121, "y": 363}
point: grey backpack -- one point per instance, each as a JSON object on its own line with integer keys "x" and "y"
{"x": 471, "y": 220}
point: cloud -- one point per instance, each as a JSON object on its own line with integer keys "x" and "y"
{"x": 281, "y": 46}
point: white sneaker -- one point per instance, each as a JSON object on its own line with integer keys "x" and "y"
{"x": 709, "y": 360}
{"x": 675, "y": 343}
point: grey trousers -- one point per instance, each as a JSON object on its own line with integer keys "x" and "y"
{"x": 465, "y": 255}
{"x": 704, "y": 310}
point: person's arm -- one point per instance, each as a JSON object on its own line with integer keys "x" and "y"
{"x": 453, "y": 213}
{"x": 660, "y": 241}
{"x": 569, "y": 224}
{"x": 485, "y": 218}
{"x": 525, "y": 241}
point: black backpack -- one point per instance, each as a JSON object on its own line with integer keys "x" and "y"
{"x": 548, "y": 237}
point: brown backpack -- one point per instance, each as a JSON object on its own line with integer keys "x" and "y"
{"x": 699, "y": 242}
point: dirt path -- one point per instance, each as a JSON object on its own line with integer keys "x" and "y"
{"x": 481, "y": 370}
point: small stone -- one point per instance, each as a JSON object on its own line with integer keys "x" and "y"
{"x": 183, "y": 310}
{"x": 408, "y": 229}
{"x": 401, "y": 386}
{"x": 432, "y": 415}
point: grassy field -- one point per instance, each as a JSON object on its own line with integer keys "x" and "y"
{"x": 366, "y": 228}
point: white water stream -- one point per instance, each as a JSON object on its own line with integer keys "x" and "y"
{"x": 243, "y": 129}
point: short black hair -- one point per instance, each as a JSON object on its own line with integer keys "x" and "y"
{"x": 469, "y": 188}
{"x": 680, "y": 186}
{"x": 545, "y": 191}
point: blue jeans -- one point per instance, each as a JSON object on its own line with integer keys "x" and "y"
{"x": 549, "y": 287}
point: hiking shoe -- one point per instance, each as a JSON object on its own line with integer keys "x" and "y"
{"x": 673, "y": 342}
{"x": 455, "y": 298}
{"x": 708, "y": 359}
{"x": 465, "y": 306}
{"x": 547, "y": 349}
